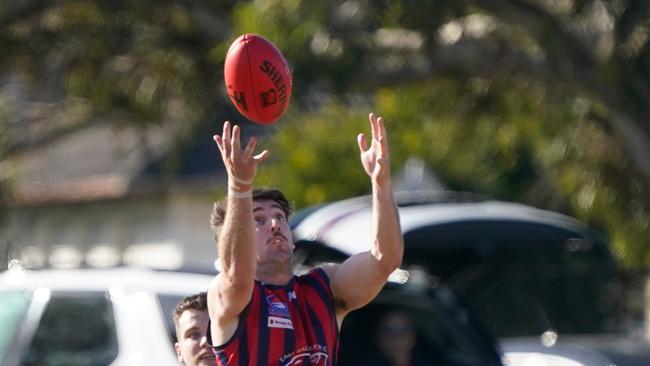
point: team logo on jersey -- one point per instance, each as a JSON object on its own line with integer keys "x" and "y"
{"x": 279, "y": 316}
{"x": 318, "y": 359}
{"x": 292, "y": 295}
{"x": 277, "y": 307}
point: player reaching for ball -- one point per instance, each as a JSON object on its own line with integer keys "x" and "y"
{"x": 260, "y": 312}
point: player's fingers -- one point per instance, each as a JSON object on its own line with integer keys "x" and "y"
{"x": 235, "y": 139}
{"x": 218, "y": 141}
{"x": 381, "y": 131}
{"x": 250, "y": 147}
{"x": 373, "y": 125}
{"x": 261, "y": 156}
{"x": 383, "y": 140}
{"x": 226, "y": 132}
{"x": 361, "y": 140}
{"x": 225, "y": 140}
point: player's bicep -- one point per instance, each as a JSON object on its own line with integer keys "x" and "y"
{"x": 356, "y": 281}
{"x": 227, "y": 299}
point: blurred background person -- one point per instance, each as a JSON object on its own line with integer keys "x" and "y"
{"x": 396, "y": 342}
{"x": 191, "y": 322}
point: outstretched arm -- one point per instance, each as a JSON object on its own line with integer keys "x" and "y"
{"x": 232, "y": 288}
{"x": 359, "y": 279}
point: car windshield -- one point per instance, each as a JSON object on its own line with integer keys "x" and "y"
{"x": 74, "y": 329}
{"x": 13, "y": 306}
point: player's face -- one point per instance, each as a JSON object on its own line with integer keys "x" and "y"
{"x": 273, "y": 235}
{"x": 191, "y": 347}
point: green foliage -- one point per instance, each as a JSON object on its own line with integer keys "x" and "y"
{"x": 509, "y": 139}
{"x": 520, "y": 101}
{"x": 289, "y": 24}
{"x": 128, "y": 61}
{"x": 315, "y": 156}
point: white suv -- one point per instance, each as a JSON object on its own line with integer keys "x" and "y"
{"x": 91, "y": 317}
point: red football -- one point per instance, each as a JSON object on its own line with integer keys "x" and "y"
{"x": 258, "y": 78}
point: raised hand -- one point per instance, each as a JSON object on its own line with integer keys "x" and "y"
{"x": 241, "y": 164}
{"x": 375, "y": 159}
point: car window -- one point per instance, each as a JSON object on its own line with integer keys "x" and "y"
{"x": 13, "y": 305}
{"x": 438, "y": 338}
{"x": 74, "y": 330}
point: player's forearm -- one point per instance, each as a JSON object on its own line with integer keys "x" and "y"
{"x": 388, "y": 246}
{"x": 237, "y": 250}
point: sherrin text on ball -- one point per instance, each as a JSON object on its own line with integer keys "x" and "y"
{"x": 258, "y": 79}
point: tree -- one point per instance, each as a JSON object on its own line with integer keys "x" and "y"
{"x": 565, "y": 133}
{"x": 537, "y": 101}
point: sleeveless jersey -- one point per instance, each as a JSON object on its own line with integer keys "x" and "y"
{"x": 285, "y": 326}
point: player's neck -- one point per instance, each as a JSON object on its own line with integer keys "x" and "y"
{"x": 274, "y": 273}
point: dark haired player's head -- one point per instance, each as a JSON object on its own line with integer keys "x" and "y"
{"x": 273, "y": 237}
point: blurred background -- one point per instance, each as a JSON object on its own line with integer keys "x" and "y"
{"x": 107, "y": 111}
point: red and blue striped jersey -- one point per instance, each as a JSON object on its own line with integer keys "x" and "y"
{"x": 286, "y": 325}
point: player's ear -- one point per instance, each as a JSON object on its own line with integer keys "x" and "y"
{"x": 177, "y": 347}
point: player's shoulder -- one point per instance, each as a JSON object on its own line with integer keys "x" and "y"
{"x": 329, "y": 268}
{"x": 325, "y": 270}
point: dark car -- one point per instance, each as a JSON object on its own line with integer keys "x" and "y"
{"x": 447, "y": 333}
{"x": 593, "y": 350}
{"x": 530, "y": 275}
